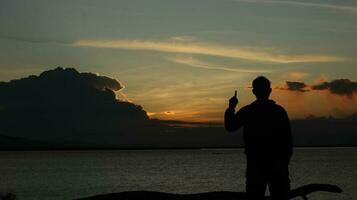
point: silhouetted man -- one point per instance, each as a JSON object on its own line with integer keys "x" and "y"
{"x": 268, "y": 142}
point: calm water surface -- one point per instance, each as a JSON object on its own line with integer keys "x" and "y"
{"x": 58, "y": 175}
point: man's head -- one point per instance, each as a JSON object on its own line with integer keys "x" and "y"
{"x": 261, "y": 88}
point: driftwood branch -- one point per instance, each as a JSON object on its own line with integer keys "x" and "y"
{"x": 302, "y": 191}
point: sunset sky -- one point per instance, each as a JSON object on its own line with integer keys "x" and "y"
{"x": 182, "y": 60}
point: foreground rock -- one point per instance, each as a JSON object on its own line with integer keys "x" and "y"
{"x": 302, "y": 191}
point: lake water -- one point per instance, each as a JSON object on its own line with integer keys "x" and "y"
{"x": 59, "y": 175}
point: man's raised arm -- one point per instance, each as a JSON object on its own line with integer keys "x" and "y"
{"x": 232, "y": 120}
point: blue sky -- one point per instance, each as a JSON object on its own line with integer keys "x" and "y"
{"x": 184, "y": 59}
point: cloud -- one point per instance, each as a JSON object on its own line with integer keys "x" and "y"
{"x": 189, "y": 61}
{"x": 63, "y": 104}
{"x": 342, "y": 87}
{"x": 339, "y": 86}
{"x": 256, "y": 54}
{"x": 183, "y": 38}
{"x": 101, "y": 82}
{"x": 83, "y": 79}
{"x": 294, "y": 86}
{"x": 351, "y": 9}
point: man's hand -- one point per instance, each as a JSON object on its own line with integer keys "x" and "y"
{"x": 233, "y": 101}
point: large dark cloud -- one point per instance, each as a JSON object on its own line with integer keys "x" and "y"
{"x": 339, "y": 87}
{"x": 63, "y": 104}
{"x": 59, "y": 76}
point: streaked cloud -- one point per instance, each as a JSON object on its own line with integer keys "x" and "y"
{"x": 189, "y": 61}
{"x": 352, "y": 9}
{"x": 39, "y": 40}
{"x": 252, "y": 54}
{"x": 183, "y": 38}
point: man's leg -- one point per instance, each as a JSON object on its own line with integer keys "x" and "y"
{"x": 255, "y": 180}
{"x": 278, "y": 180}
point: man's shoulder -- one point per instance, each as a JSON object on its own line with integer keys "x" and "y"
{"x": 272, "y": 104}
{"x": 246, "y": 108}
{"x": 279, "y": 107}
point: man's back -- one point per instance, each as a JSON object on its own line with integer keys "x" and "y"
{"x": 266, "y": 130}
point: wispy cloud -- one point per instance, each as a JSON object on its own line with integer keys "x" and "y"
{"x": 183, "y": 38}
{"x": 352, "y": 9}
{"x": 189, "y": 61}
{"x": 256, "y": 54}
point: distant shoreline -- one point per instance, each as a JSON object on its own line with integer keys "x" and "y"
{"x": 169, "y": 148}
